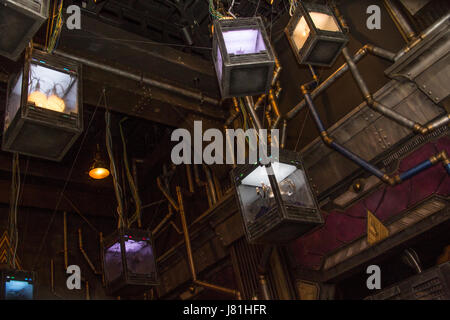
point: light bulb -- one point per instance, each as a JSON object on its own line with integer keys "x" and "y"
{"x": 38, "y": 98}
{"x": 55, "y": 103}
{"x": 99, "y": 173}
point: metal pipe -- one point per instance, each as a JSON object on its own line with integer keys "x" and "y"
{"x": 284, "y": 134}
{"x": 138, "y": 77}
{"x": 201, "y": 183}
{"x": 230, "y": 147}
{"x": 189, "y": 178}
{"x": 66, "y": 263}
{"x": 391, "y": 180}
{"x": 88, "y": 296}
{"x": 218, "y": 288}
{"x": 52, "y": 275}
{"x": 210, "y": 182}
{"x": 166, "y": 194}
{"x": 264, "y": 287}
{"x": 163, "y": 221}
{"x": 187, "y": 240}
{"x": 375, "y": 105}
{"x": 101, "y": 257}
{"x": 80, "y": 245}
{"x": 426, "y": 33}
{"x": 400, "y": 20}
{"x": 326, "y": 83}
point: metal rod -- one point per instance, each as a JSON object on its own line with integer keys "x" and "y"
{"x": 138, "y": 77}
{"x": 325, "y": 84}
{"x": 400, "y": 20}
{"x": 66, "y": 263}
{"x": 80, "y": 245}
{"x": 284, "y": 134}
{"x": 187, "y": 240}
{"x": 189, "y": 178}
{"x": 52, "y": 275}
{"x": 166, "y": 194}
{"x": 163, "y": 221}
{"x": 210, "y": 182}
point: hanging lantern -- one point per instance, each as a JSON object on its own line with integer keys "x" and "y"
{"x": 20, "y": 20}
{"x": 315, "y": 34}
{"x": 266, "y": 218}
{"x": 129, "y": 262}
{"x": 98, "y": 169}
{"x": 43, "y": 115}
{"x": 17, "y": 285}
{"x": 243, "y": 57}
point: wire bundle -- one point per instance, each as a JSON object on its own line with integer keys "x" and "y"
{"x": 113, "y": 169}
{"x": 131, "y": 182}
{"x": 15, "y": 191}
{"x": 55, "y": 27}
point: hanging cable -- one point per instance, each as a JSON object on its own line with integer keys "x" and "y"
{"x": 133, "y": 187}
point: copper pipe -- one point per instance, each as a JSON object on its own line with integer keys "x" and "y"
{"x": 163, "y": 221}
{"x": 189, "y": 178}
{"x": 88, "y": 297}
{"x": 101, "y": 257}
{"x": 400, "y": 20}
{"x": 187, "y": 240}
{"x": 176, "y": 227}
{"x": 166, "y": 194}
{"x": 52, "y": 275}
{"x": 80, "y": 245}
{"x": 218, "y": 288}
{"x": 66, "y": 260}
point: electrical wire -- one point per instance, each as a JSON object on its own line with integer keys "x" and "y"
{"x": 137, "y": 200}
{"x": 66, "y": 182}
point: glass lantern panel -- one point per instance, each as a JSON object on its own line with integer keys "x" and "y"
{"x": 52, "y": 89}
{"x": 139, "y": 256}
{"x": 244, "y": 41}
{"x": 301, "y": 33}
{"x": 257, "y": 197}
{"x": 324, "y": 21}
{"x": 13, "y": 101}
{"x": 219, "y": 64}
{"x": 113, "y": 262}
{"x": 18, "y": 290}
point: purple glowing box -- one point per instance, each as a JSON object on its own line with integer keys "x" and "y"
{"x": 315, "y": 34}
{"x": 129, "y": 262}
{"x": 243, "y": 57}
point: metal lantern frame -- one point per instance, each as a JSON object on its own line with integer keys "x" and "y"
{"x": 129, "y": 283}
{"x": 284, "y": 222}
{"x": 35, "y": 13}
{"x": 232, "y": 64}
{"x": 66, "y": 125}
{"x": 316, "y": 36}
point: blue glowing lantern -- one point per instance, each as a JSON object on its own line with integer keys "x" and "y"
{"x": 129, "y": 262}
{"x": 17, "y": 285}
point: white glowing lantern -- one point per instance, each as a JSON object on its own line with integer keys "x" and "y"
{"x": 315, "y": 35}
{"x": 266, "y": 218}
{"x": 43, "y": 115}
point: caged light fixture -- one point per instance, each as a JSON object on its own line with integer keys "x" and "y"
{"x": 272, "y": 218}
{"x": 129, "y": 262}
{"x": 43, "y": 115}
{"x": 243, "y": 57}
{"x": 315, "y": 34}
